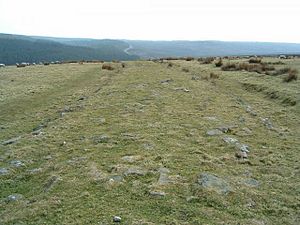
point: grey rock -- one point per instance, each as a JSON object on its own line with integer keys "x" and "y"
{"x": 241, "y": 155}
{"x": 267, "y": 122}
{"x": 11, "y": 141}
{"x": 16, "y": 163}
{"x": 192, "y": 199}
{"x": 101, "y": 139}
{"x": 131, "y": 158}
{"x": 3, "y": 171}
{"x": 252, "y": 182}
{"x": 214, "y": 132}
{"x": 135, "y": 171}
{"x": 157, "y": 193}
{"x": 37, "y": 132}
{"x": 35, "y": 170}
{"x": 166, "y": 81}
{"x": 48, "y": 157}
{"x": 116, "y": 178}
{"x": 230, "y": 140}
{"x": 164, "y": 176}
{"x": 250, "y": 111}
{"x": 51, "y": 182}
{"x": 212, "y": 182}
{"x": 148, "y": 146}
{"x": 226, "y": 128}
{"x": 211, "y": 118}
{"x": 117, "y": 219}
{"x": 14, "y": 197}
{"x": 243, "y": 148}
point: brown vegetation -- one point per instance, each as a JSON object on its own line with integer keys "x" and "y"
{"x": 107, "y": 67}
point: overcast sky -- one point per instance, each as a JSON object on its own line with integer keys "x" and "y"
{"x": 236, "y": 20}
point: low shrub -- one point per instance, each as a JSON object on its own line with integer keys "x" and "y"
{"x": 255, "y": 60}
{"x": 219, "y": 63}
{"x": 292, "y": 75}
{"x": 213, "y": 75}
{"x": 208, "y": 60}
{"x": 107, "y": 67}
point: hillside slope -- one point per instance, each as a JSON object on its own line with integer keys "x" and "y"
{"x": 151, "y": 142}
{"x": 15, "y": 48}
{"x": 154, "y": 49}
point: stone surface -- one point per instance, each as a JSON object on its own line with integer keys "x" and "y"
{"x": 51, "y": 182}
{"x": 227, "y": 128}
{"x": 212, "y": 182}
{"x": 214, "y": 132}
{"x": 3, "y": 171}
{"x": 11, "y": 141}
{"x": 241, "y": 155}
{"x": 251, "y": 182}
{"x": 250, "y": 111}
{"x": 230, "y": 140}
{"x": 164, "y": 176}
{"x": 117, "y": 219}
{"x": 157, "y": 193}
{"x": 267, "y": 122}
{"x": 14, "y": 197}
{"x": 131, "y": 158}
{"x": 116, "y": 178}
{"x": 16, "y": 163}
{"x": 101, "y": 139}
{"x": 135, "y": 171}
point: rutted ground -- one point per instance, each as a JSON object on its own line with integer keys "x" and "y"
{"x": 150, "y": 143}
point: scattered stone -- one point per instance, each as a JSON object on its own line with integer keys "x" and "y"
{"x": 243, "y": 148}
{"x": 3, "y": 171}
{"x": 242, "y": 119}
{"x": 35, "y": 170}
{"x": 48, "y": 157}
{"x": 37, "y": 132}
{"x": 135, "y": 171}
{"x": 117, "y": 219}
{"x": 11, "y": 141}
{"x": 14, "y": 197}
{"x": 51, "y": 182}
{"x": 96, "y": 174}
{"x": 81, "y": 98}
{"x": 227, "y": 128}
{"x": 157, "y": 193}
{"x": 211, "y": 118}
{"x": 101, "y": 120}
{"x": 250, "y": 111}
{"x": 148, "y": 146}
{"x": 241, "y": 155}
{"x": 214, "y": 183}
{"x": 214, "y": 132}
{"x": 195, "y": 78}
{"x": 132, "y": 158}
{"x": 267, "y": 123}
{"x": 251, "y": 182}
{"x": 164, "y": 176}
{"x": 182, "y": 89}
{"x": 116, "y": 178}
{"x": 101, "y": 139}
{"x": 166, "y": 81}
{"x": 230, "y": 140}
{"x": 192, "y": 199}
{"x": 16, "y": 163}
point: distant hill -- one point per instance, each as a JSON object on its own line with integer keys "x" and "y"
{"x": 18, "y": 48}
{"x": 148, "y": 49}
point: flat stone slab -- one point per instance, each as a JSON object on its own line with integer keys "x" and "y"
{"x": 214, "y": 132}
{"x": 135, "y": 171}
{"x": 212, "y": 182}
{"x": 11, "y": 141}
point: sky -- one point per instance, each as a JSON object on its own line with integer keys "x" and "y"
{"x": 227, "y": 20}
